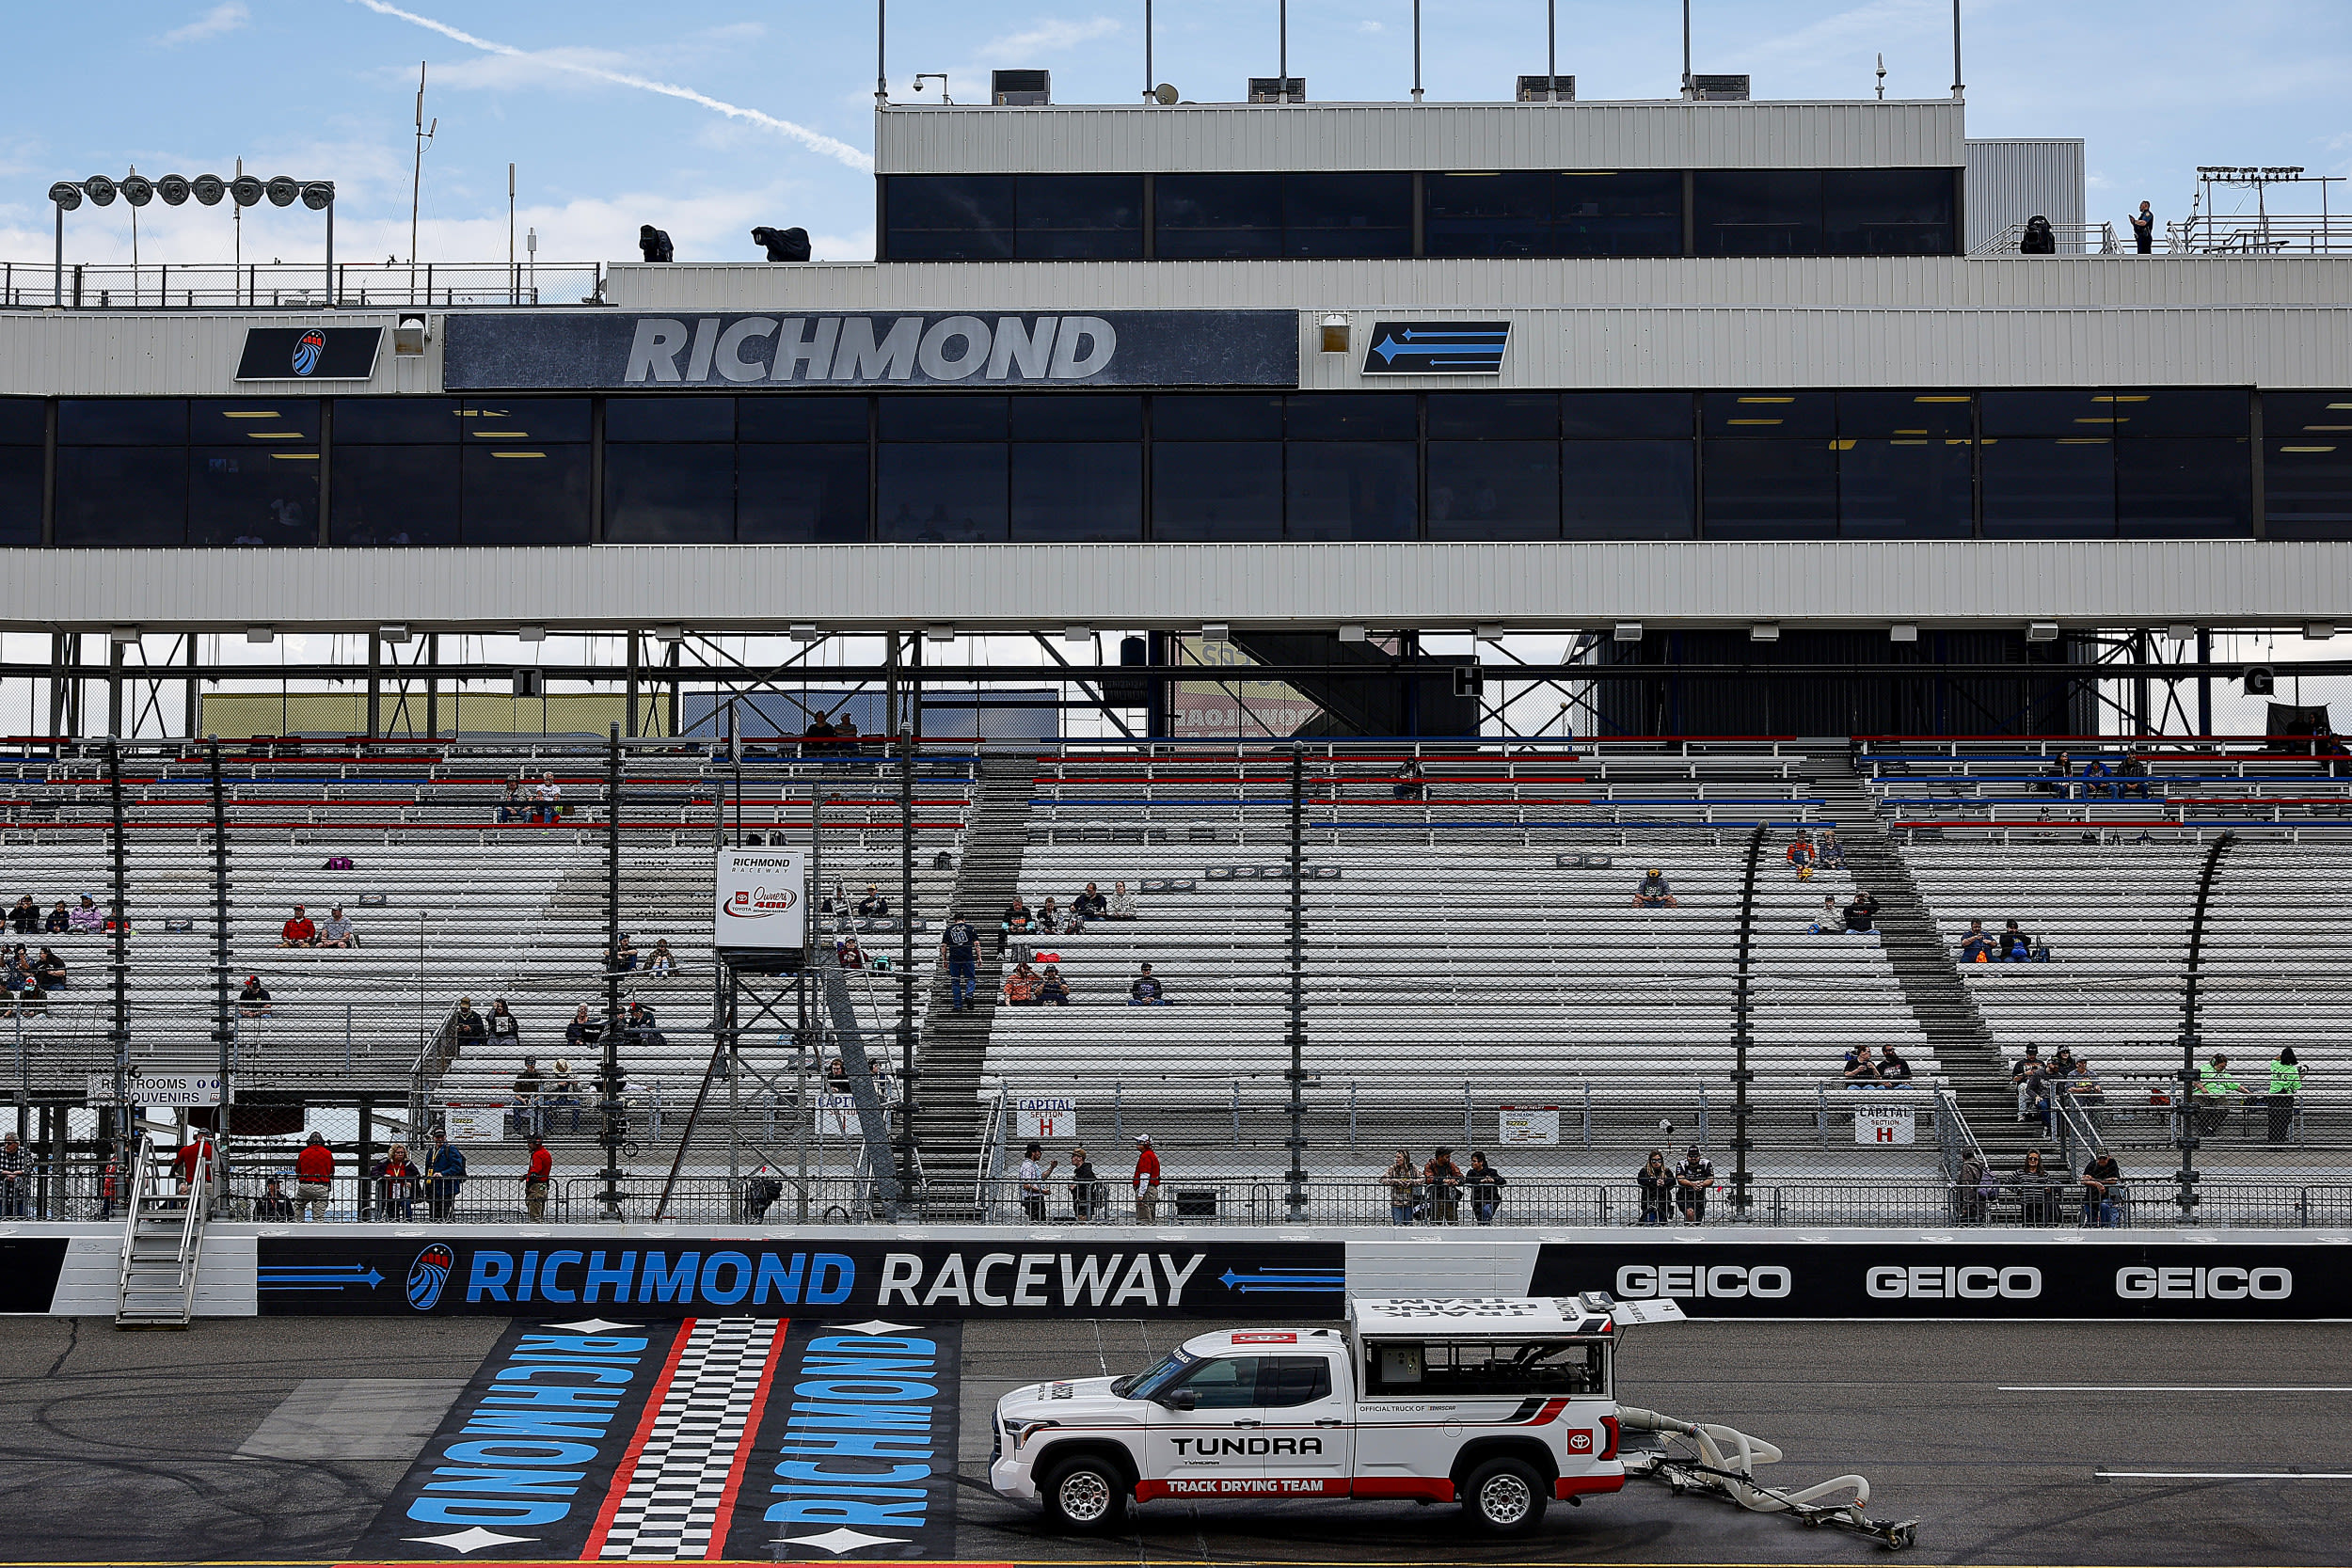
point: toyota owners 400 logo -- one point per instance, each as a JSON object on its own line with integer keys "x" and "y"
{"x": 308, "y": 348}
{"x": 760, "y": 902}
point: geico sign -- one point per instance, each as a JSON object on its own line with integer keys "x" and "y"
{"x": 1700, "y": 1281}
{"x": 1950, "y": 1282}
{"x": 2141, "y": 1283}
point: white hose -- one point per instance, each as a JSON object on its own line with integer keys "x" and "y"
{"x": 1722, "y": 1447}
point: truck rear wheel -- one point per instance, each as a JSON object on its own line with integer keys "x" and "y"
{"x": 1505, "y": 1497}
{"x": 1086, "y": 1494}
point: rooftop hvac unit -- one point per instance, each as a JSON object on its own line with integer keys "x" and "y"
{"x": 1720, "y": 90}
{"x": 1021, "y": 87}
{"x": 1271, "y": 90}
{"x": 1539, "y": 89}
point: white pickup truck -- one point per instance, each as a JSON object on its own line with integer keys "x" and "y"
{"x": 1501, "y": 1404}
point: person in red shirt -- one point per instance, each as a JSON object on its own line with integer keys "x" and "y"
{"x": 1147, "y": 1180}
{"x": 314, "y": 1178}
{"x": 195, "y": 1156}
{"x": 535, "y": 1182}
{"x": 299, "y": 931}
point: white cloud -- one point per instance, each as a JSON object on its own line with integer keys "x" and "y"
{"x": 1049, "y": 38}
{"x": 228, "y": 17}
{"x": 1371, "y": 27}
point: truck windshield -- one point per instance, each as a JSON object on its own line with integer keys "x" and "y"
{"x": 1148, "y": 1383}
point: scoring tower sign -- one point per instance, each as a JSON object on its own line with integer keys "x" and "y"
{"x": 759, "y": 901}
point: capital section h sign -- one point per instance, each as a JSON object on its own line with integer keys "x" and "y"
{"x": 843, "y": 350}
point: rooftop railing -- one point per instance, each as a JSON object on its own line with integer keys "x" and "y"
{"x": 299, "y": 285}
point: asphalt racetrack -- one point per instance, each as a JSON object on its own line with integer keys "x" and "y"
{"x": 244, "y": 1441}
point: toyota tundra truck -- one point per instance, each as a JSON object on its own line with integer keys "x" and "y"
{"x": 1500, "y": 1404}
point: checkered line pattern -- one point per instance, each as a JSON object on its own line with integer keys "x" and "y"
{"x": 675, "y": 1491}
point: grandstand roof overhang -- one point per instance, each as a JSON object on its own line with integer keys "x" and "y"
{"x": 715, "y": 587}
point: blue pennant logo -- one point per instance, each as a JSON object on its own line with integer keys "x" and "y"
{"x": 309, "y": 349}
{"x": 428, "y": 1275}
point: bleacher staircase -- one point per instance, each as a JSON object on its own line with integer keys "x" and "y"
{"x": 947, "y": 1071}
{"x": 162, "y": 1242}
{"x": 1923, "y": 963}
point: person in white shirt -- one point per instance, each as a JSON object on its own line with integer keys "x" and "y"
{"x": 1033, "y": 1178}
{"x": 1122, "y": 902}
{"x": 338, "y": 932}
{"x": 550, "y": 798}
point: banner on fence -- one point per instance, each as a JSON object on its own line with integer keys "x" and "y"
{"x": 474, "y": 1121}
{"x": 1045, "y": 1116}
{"x": 1528, "y": 1125}
{"x": 1886, "y": 1124}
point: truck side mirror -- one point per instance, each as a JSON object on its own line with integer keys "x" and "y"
{"x": 1182, "y": 1399}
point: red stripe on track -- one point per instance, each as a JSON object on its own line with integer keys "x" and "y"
{"x": 626, "y": 1471}
{"x": 725, "y": 1514}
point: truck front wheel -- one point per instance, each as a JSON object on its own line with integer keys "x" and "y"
{"x": 1086, "y": 1494}
{"x": 1505, "y": 1497}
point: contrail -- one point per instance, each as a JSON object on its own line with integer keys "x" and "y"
{"x": 815, "y": 140}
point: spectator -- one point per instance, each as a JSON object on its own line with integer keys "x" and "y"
{"x": 1861, "y": 910}
{"x": 1977, "y": 945}
{"x": 59, "y": 922}
{"x": 836, "y": 1076}
{"x": 526, "y": 1085}
{"x": 1146, "y": 991}
{"x": 1827, "y": 920}
{"x": 1442, "y": 1178}
{"x": 510, "y": 807}
{"x": 624, "y": 955}
{"x": 193, "y": 1164}
{"x": 466, "y": 1026}
{"x": 2016, "y": 947}
{"x": 273, "y": 1206}
{"x": 1050, "y": 920}
{"x": 1800, "y": 855}
{"x": 49, "y": 969}
{"x": 583, "y": 1033}
{"x": 1860, "y": 1069}
{"x": 2037, "y": 1095}
{"x": 548, "y": 800}
{"x": 2062, "y": 1065}
{"x": 299, "y": 931}
{"x": 2037, "y": 1192}
{"x": 397, "y": 1185}
{"x": 1658, "y": 1185}
{"x": 2214, "y": 1078}
{"x": 1052, "y": 988}
{"x": 1020, "y": 987}
{"x": 848, "y": 954}
{"x": 1033, "y": 1179}
{"x": 2286, "y": 1082}
{"x": 2144, "y": 229}
{"x": 1122, "y": 906}
{"x": 2084, "y": 1085}
{"x": 87, "y": 916}
{"x": 446, "y": 1174}
{"x": 116, "y": 921}
{"x": 1693, "y": 1179}
{"x": 253, "y": 1002}
{"x": 562, "y": 1090}
{"x": 2103, "y": 1191}
{"x": 537, "y": 1176}
{"x": 1892, "y": 1067}
{"x": 2096, "y": 777}
{"x": 1403, "y": 1182}
{"x": 338, "y": 932}
{"x": 1091, "y": 905}
{"x": 959, "y": 945}
{"x": 1086, "y": 1188}
{"x": 505, "y": 1028}
{"x": 661, "y": 963}
{"x": 1485, "y": 1187}
{"x": 1146, "y": 1180}
{"x": 1653, "y": 894}
{"x": 760, "y": 1192}
{"x": 110, "y": 1184}
{"x": 24, "y": 917}
{"x": 1832, "y": 852}
{"x": 2030, "y": 1063}
{"x": 314, "y": 1178}
{"x": 873, "y": 905}
{"x": 1973, "y": 1189}
{"x": 2133, "y": 775}
{"x": 1018, "y": 923}
{"x": 1410, "y": 784}
{"x": 15, "y": 1177}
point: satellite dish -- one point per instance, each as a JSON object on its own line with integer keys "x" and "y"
{"x": 208, "y": 189}
{"x": 283, "y": 189}
{"x": 66, "y": 194}
{"x": 173, "y": 188}
{"x": 319, "y": 194}
{"x": 247, "y": 189}
{"x": 137, "y": 189}
{"x": 1166, "y": 94}
{"x": 102, "y": 190}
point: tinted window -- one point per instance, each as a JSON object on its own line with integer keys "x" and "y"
{"x": 2061, "y": 488}
{"x": 1758, "y": 211}
{"x": 2057, "y": 413}
{"x": 2306, "y": 486}
{"x": 267, "y": 422}
{"x": 1628, "y": 489}
{"x": 941, "y": 491}
{"x": 674, "y": 491}
{"x": 1657, "y": 414}
{"x": 1097, "y": 216}
{"x": 948, "y": 217}
{"x": 1769, "y": 416}
{"x": 1487, "y": 214}
{"x": 1770, "y": 489}
{"x": 1109, "y": 417}
{"x": 1888, "y": 212}
{"x": 1285, "y": 1381}
{"x": 1494, "y": 416}
{"x": 1350, "y": 490}
{"x": 2186, "y": 489}
{"x": 244, "y": 496}
{"x": 1494, "y": 490}
{"x": 394, "y": 419}
{"x": 21, "y": 480}
{"x": 1347, "y": 215}
{"x": 916, "y": 417}
{"x": 1197, "y": 215}
{"x": 525, "y": 493}
{"x": 121, "y": 421}
{"x": 122, "y": 496}
{"x": 395, "y": 494}
{"x": 24, "y": 423}
{"x": 1617, "y": 214}
{"x": 1353, "y": 417}
{"x": 1077, "y": 490}
{"x": 1217, "y": 417}
{"x": 2199, "y": 411}
{"x": 800, "y": 418}
{"x": 1912, "y": 487}
{"x": 2319, "y": 416}
{"x": 1483, "y": 1368}
{"x": 669, "y": 419}
{"x": 524, "y": 422}
{"x": 800, "y": 494}
{"x": 1906, "y": 415}
{"x": 1226, "y": 1382}
{"x": 1211, "y": 490}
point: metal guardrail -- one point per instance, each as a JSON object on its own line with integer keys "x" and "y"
{"x": 2074, "y": 239}
{"x": 291, "y": 285}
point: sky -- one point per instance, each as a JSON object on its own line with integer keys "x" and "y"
{"x": 708, "y": 117}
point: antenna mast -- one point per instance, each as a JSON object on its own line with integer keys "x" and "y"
{"x": 416, "y": 178}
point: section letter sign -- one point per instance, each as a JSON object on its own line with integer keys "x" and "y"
{"x": 1045, "y": 1116}
{"x": 758, "y": 900}
{"x": 1886, "y": 1124}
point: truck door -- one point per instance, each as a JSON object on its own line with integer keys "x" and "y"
{"x": 1308, "y": 1409}
{"x": 1216, "y": 1449}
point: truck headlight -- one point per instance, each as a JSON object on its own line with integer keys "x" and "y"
{"x": 1023, "y": 1431}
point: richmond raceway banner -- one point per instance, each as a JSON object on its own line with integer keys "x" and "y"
{"x": 683, "y": 1277}
{"x": 742, "y": 1438}
{"x": 616, "y": 350}
{"x": 2065, "y": 1276}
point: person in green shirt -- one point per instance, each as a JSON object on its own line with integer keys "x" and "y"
{"x": 2286, "y": 1082}
{"x": 2216, "y": 1089}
